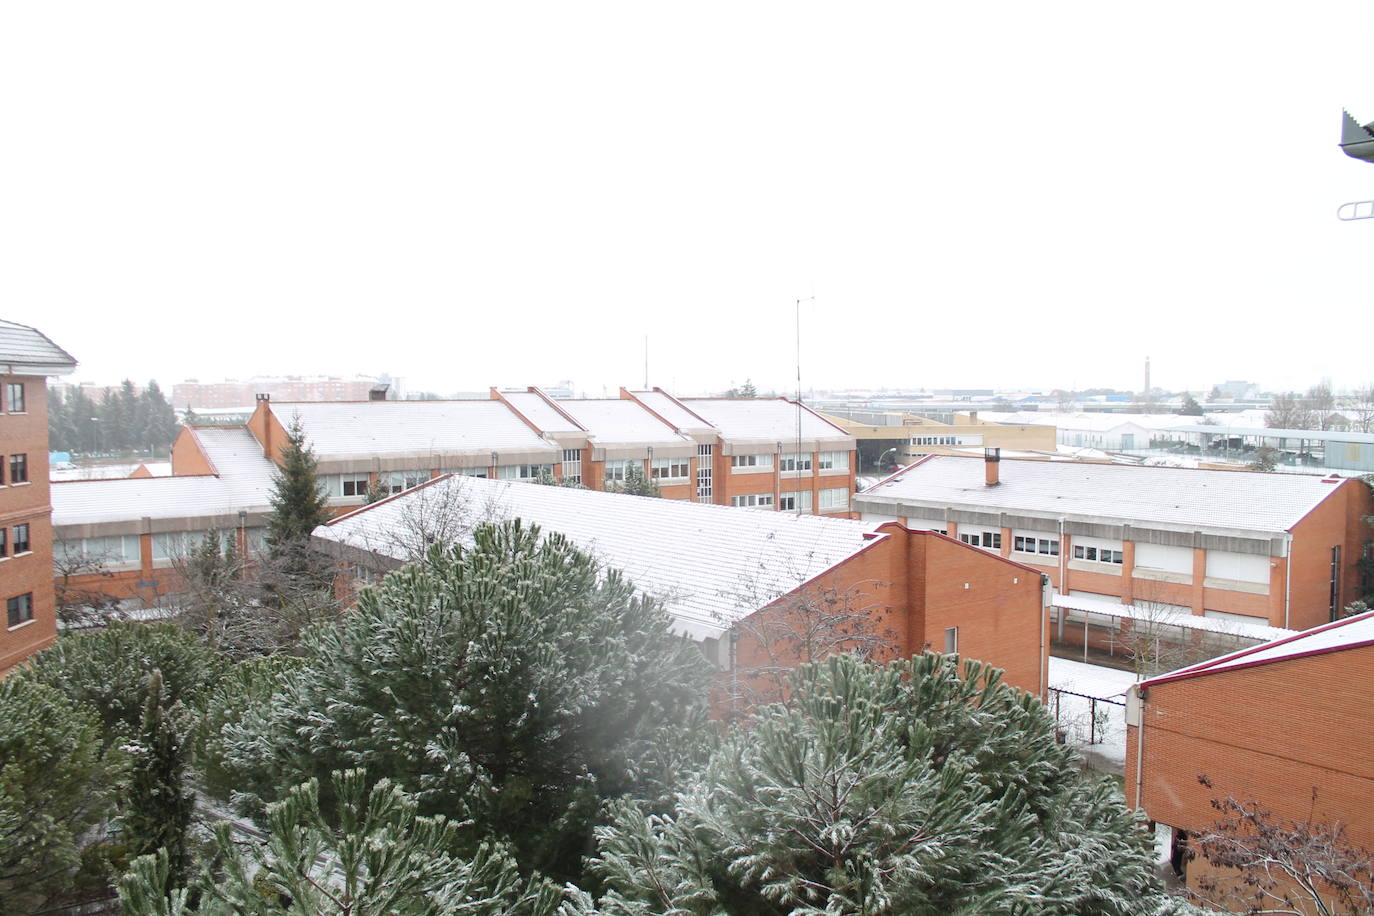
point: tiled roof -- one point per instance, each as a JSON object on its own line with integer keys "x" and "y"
{"x": 771, "y": 419}
{"x": 711, "y": 565}
{"x": 367, "y": 428}
{"x": 244, "y": 483}
{"x": 1351, "y": 633}
{"x": 25, "y": 348}
{"x": 538, "y": 412}
{"x": 1180, "y": 498}
{"x": 616, "y": 421}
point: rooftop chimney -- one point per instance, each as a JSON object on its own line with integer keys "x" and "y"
{"x": 992, "y": 461}
{"x": 378, "y": 393}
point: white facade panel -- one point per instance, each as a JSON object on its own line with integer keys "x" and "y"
{"x": 1241, "y": 567}
{"x": 1164, "y": 557}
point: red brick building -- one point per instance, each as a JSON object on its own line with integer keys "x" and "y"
{"x": 1285, "y": 724}
{"x": 27, "y": 358}
{"x": 718, "y": 571}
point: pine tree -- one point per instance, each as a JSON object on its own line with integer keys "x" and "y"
{"x": 157, "y": 807}
{"x": 1190, "y": 407}
{"x": 513, "y": 685}
{"x": 636, "y": 483}
{"x": 299, "y": 506}
{"x": 54, "y": 784}
{"x": 919, "y": 787}
{"x": 378, "y": 856}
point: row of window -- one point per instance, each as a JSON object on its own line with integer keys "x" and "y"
{"x": 989, "y": 539}
{"x": 792, "y": 461}
{"x": 14, "y": 397}
{"x": 753, "y": 501}
{"x": 14, "y": 541}
{"x": 18, "y": 470}
{"x": 1097, "y": 554}
{"x": 834, "y": 498}
{"x": 1047, "y": 546}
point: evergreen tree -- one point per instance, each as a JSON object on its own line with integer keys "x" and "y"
{"x": 299, "y": 506}
{"x": 157, "y": 807}
{"x": 1190, "y": 407}
{"x": 53, "y": 786}
{"x": 162, "y": 419}
{"x": 912, "y": 788}
{"x": 377, "y": 857}
{"x": 513, "y": 686}
{"x": 636, "y": 483}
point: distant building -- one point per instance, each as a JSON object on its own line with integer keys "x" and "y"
{"x": 887, "y": 438}
{"x": 232, "y": 393}
{"x": 1285, "y": 724}
{"x": 27, "y": 359}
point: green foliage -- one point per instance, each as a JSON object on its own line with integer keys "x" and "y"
{"x": 107, "y": 671}
{"x": 54, "y": 785}
{"x": 157, "y": 806}
{"x": 299, "y": 506}
{"x": 512, "y": 686}
{"x": 548, "y": 480}
{"x": 378, "y": 857}
{"x": 912, "y": 788}
{"x": 248, "y": 684}
{"x": 123, "y": 421}
{"x": 747, "y": 390}
{"x": 636, "y": 483}
{"x": 1190, "y": 407}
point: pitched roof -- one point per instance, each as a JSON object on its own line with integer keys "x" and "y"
{"x": 765, "y": 419}
{"x": 1182, "y": 498}
{"x": 363, "y": 429}
{"x": 539, "y": 412}
{"x": 1350, "y": 633}
{"x": 672, "y": 410}
{"x": 244, "y": 483}
{"x": 28, "y": 351}
{"x": 617, "y": 421}
{"x": 711, "y": 565}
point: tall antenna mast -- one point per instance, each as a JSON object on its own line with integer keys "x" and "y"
{"x": 810, "y": 298}
{"x": 646, "y": 362}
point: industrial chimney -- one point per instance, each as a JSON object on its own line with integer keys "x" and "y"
{"x": 992, "y": 461}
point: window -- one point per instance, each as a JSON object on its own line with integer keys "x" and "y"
{"x": 992, "y": 540}
{"x": 353, "y": 485}
{"x": 572, "y": 465}
{"x": 751, "y": 462}
{"x": 616, "y": 470}
{"x": 19, "y": 469}
{"x": 1097, "y": 554}
{"x": 669, "y": 469}
{"x": 398, "y": 481}
{"x": 793, "y": 502}
{"x": 951, "y": 640}
{"x": 14, "y": 397}
{"x": 753, "y": 501}
{"x": 794, "y": 463}
{"x": 20, "y": 538}
{"x": 468, "y": 472}
{"x": 705, "y": 451}
{"x": 837, "y": 498}
{"x": 523, "y": 471}
{"x": 1045, "y": 546}
{"x": 19, "y": 609}
{"x": 834, "y": 461}
{"x": 115, "y": 549}
{"x": 4, "y": 543}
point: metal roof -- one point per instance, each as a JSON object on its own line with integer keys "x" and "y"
{"x": 28, "y": 351}
{"x": 711, "y": 565}
{"x": 1315, "y": 435}
{"x": 765, "y": 419}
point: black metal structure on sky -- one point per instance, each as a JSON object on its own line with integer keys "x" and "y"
{"x": 1357, "y": 142}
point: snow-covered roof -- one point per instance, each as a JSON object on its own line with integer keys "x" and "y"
{"x": 1350, "y": 633}
{"x": 28, "y": 351}
{"x": 616, "y": 421}
{"x": 765, "y": 419}
{"x": 1090, "y": 422}
{"x": 1311, "y": 435}
{"x": 360, "y": 430}
{"x": 710, "y": 565}
{"x": 1173, "y": 498}
{"x": 672, "y": 410}
{"x": 539, "y": 412}
{"x": 244, "y": 483}
{"x": 1112, "y": 607}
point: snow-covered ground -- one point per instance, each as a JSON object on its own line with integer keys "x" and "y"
{"x": 1107, "y": 732}
{"x": 110, "y": 471}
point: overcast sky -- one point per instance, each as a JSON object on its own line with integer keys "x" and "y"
{"x": 995, "y": 195}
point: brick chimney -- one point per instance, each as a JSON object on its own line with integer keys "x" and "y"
{"x": 992, "y": 461}
{"x": 378, "y": 393}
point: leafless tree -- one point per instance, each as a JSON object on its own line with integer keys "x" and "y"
{"x": 80, "y": 581}
{"x": 1273, "y": 866}
{"x": 1361, "y": 408}
{"x": 1156, "y": 639}
{"x": 1290, "y": 411}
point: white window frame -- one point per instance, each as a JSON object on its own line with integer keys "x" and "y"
{"x": 753, "y": 501}
{"x": 834, "y": 461}
{"x": 671, "y": 469}
{"x": 749, "y": 464}
{"x": 795, "y": 463}
{"x": 788, "y": 501}
{"x": 835, "y": 499}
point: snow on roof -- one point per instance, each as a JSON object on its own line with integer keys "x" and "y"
{"x": 1350, "y": 633}
{"x": 1090, "y": 422}
{"x": 1185, "y": 498}
{"x": 1111, "y": 607}
{"x": 25, "y": 350}
{"x": 770, "y": 419}
{"x": 1269, "y": 432}
{"x": 539, "y": 412}
{"x": 672, "y": 411}
{"x": 616, "y": 421}
{"x": 710, "y": 565}
{"x": 363, "y": 429}
{"x": 244, "y": 483}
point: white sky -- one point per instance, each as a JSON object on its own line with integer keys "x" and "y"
{"x": 991, "y": 195}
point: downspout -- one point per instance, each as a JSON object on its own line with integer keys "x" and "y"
{"x": 1046, "y": 602}
{"x": 1287, "y": 579}
{"x": 1139, "y": 743}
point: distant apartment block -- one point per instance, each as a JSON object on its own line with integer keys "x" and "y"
{"x": 27, "y": 359}
{"x": 231, "y": 393}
